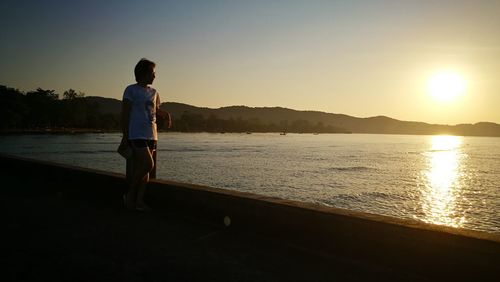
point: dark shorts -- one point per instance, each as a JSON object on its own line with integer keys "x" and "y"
{"x": 139, "y": 143}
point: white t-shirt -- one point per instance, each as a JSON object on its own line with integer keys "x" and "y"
{"x": 144, "y": 103}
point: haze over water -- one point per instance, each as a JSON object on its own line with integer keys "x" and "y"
{"x": 446, "y": 180}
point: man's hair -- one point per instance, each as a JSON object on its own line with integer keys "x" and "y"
{"x": 142, "y": 68}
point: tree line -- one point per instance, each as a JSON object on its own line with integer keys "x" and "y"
{"x": 45, "y": 109}
{"x": 189, "y": 122}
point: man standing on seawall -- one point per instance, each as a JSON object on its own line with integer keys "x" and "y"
{"x": 140, "y": 108}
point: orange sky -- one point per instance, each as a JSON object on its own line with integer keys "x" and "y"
{"x": 361, "y": 58}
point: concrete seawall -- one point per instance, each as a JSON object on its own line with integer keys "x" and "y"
{"x": 433, "y": 250}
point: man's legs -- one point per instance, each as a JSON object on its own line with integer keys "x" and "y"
{"x": 142, "y": 165}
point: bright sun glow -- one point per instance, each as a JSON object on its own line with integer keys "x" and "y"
{"x": 446, "y": 86}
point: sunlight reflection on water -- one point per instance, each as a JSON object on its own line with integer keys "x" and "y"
{"x": 443, "y": 187}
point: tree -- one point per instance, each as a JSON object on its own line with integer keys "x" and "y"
{"x": 213, "y": 123}
{"x": 43, "y": 107}
{"x": 13, "y": 108}
{"x": 72, "y": 94}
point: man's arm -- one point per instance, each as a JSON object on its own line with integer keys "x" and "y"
{"x": 125, "y": 117}
{"x": 164, "y": 116}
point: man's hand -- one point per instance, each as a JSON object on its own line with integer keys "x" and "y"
{"x": 169, "y": 120}
{"x": 165, "y": 117}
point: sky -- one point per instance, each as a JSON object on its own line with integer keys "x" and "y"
{"x": 360, "y": 58}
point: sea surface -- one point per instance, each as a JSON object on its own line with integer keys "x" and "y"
{"x": 446, "y": 180}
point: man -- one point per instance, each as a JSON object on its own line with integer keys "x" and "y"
{"x": 140, "y": 108}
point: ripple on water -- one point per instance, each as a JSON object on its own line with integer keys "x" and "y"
{"x": 391, "y": 175}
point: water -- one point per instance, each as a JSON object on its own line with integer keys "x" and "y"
{"x": 447, "y": 180}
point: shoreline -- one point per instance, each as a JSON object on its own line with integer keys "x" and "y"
{"x": 76, "y": 131}
{"x": 49, "y": 131}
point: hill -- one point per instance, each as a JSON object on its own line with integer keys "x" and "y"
{"x": 378, "y": 124}
{"x": 105, "y": 105}
{"x": 283, "y": 117}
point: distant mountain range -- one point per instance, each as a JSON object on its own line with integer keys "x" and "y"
{"x": 282, "y": 116}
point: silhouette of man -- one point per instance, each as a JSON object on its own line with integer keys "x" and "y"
{"x": 140, "y": 108}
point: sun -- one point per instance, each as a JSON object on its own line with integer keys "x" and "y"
{"x": 446, "y": 86}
